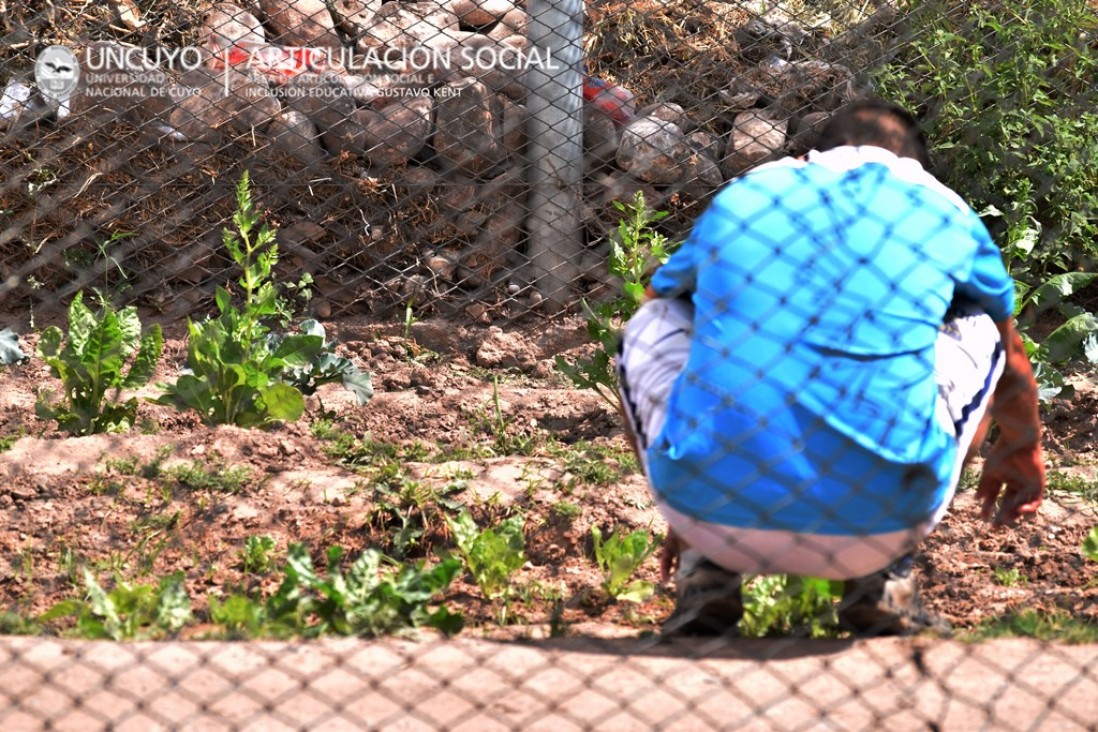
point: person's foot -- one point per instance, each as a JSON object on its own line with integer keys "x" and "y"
{"x": 887, "y": 603}
{"x": 708, "y": 599}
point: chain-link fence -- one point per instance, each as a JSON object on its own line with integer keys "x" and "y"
{"x": 454, "y": 190}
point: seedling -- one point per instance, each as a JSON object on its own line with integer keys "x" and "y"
{"x": 491, "y": 555}
{"x": 619, "y": 557}
{"x": 1090, "y": 545}
{"x": 255, "y": 557}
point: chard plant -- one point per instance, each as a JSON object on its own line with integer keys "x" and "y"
{"x": 636, "y": 248}
{"x": 784, "y": 604}
{"x": 104, "y": 352}
{"x": 128, "y": 612}
{"x": 241, "y": 370}
{"x": 619, "y": 557}
{"x": 376, "y": 596}
{"x": 491, "y": 555}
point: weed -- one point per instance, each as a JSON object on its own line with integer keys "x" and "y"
{"x": 619, "y": 557}
{"x": 93, "y": 360}
{"x": 240, "y": 370}
{"x": 1012, "y": 577}
{"x": 635, "y": 250}
{"x": 6, "y": 441}
{"x": 199, "y": 476}
{"x": 1084, "y": 487}
{"x": 565, "y": 510}
{"x": 1058, "y": 626}
{"x": 1090, "y": 545}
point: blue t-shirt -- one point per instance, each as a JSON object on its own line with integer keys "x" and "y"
{"x": 808, "y": 400}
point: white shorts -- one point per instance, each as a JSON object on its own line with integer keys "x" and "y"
{"x": 654, "y": 350}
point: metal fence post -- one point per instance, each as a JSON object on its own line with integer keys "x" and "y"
{"x": 555, "y": 172}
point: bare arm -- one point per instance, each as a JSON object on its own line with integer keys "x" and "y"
{"x": 1013, "y": 481}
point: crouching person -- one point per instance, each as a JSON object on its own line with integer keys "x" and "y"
{"x": 814, "y": 367}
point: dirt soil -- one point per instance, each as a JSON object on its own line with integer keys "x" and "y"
{"x": 477, "y": 415}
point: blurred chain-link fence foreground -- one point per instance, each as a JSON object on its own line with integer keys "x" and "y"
{"x": 470, "y": 163}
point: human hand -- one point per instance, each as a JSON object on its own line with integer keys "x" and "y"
{"x": 669, "y": 556}
{"x": 1013, "y": 478}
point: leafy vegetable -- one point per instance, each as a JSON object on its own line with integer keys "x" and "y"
{"x": 491, "y": 555}
{"x": 91, "y": 362}
{"x": 128, "y": 612}
{"x": 619, "y": 557}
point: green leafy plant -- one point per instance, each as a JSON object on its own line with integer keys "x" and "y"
{"x": 491, "y": 555}
{"x": 1012, "y": 577}
{"x": 255, "y": 557}
{"x": 326, "y": 367}
{"x": 104, "y": 351}
{"x": 1059, "y": 626}
{"x": 1004, "y": 94}
{"x": 636, "y": 248}
{"x": 619, "y": 557}
{"x": 240, "y": 369}
{"x": 784, "y": 604}
{"x": 1090, "y": 545}
{"x": 128, "y": 612}
{"x": 374, "y": 597}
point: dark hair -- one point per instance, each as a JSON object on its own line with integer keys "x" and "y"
{"x": 879, "y": 123}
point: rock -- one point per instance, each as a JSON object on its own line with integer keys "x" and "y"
{"x": 515, "y": 118}
{"x": 600, "y": 138}
{"x": 441, "y": 265}
{"x": 668, "y": 112}
{"x": 653, "y": 150}
{"x": 209, "y": 110}
{"x": 353, "y": 17}
{"x": 301, "y": 22}
{"x": 496, "y": 242}
{"x": 756, "y": 138}
{"x": 479, "y": 13}
{"x": 395, "y": 133}
{"x": 468, "y": 128}
{"x": 462, "y": 54}
{"x": 706, "y": 144}
{"x": 808, "y": 132}
{"x": 605, "y": 188}
{"x": 512, "y": 24}
{"x": 227, "y": 24}
{"x": 702, "y": 178}
{"x": 329, "y": 104}
{"x": 292, "y": 134}
{"x": 408, "y": 25}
